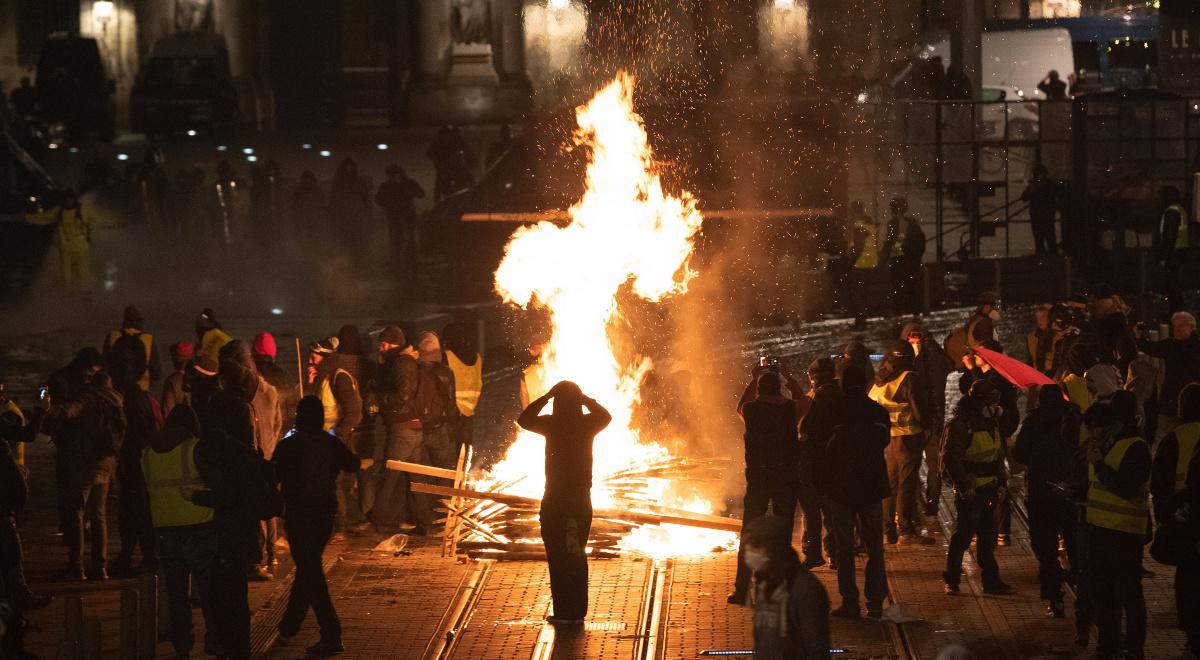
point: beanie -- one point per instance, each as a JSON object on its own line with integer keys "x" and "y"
{"x": 393, "y": 335}
{"x": 264, "y": 344}
{"x": 183, "y": 350}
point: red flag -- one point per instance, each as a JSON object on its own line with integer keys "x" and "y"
{"x": 1018, "y": 373}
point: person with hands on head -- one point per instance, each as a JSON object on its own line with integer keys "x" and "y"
{"x": 772, "y": 454}
{"x": 566, "y": 510}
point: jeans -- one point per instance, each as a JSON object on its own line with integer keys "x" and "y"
{"x": 1083, "y": 581}
{"x": 437, "y": 450}
{"x": 133, "y": 510}
{"x": 778, "y": 490}
{"x": 566, "y": 524}
{"x": 869, "y": 519}
{"x": 1050, "y": 516}
{"x": 89, "y": 500}
{"x": 464, "y": 431}
{"x": 975, "y": 517}
{"x": 308, "y": 536}
{"x": 185, "y": 552}
{"x": 810, "y": 511}
{"x": 903, "y": 457}
{"x": 229, "y": 603}
{"x": 392, "y": 501}
{"x": 1116, "y": 583}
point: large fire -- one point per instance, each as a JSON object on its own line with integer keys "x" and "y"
{"x": 625, "y": 230}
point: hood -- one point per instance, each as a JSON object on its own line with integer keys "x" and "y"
{"x": 238, "y": 379}
{"x": 85, "y": 359}
{"x": 892, "y": 367}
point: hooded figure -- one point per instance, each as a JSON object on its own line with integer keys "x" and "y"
{"x": 934, "y": 366}
{"x": 900, "y": 390}
{"x": 264, "y": 399}
{"x": 791, "y": 607}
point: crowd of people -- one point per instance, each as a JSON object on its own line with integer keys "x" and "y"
{"x": 227, "y": 458}
{"x": 1110, "y": 427}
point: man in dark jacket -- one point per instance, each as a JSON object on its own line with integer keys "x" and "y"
{"x": 978, "y": 369}
{"x": 854, "y": 480}
{"x": 398, "y": 375}
{"x": 934, "y": 367}
{"x": 263, "y": 351}
{"x": 772, "y": 455}
{"x": 308, "y": 463}
{"x": 64, "y": 386}
{"x": 816, "y": 428}
{"x": 91, "y": 460}
{"x": 791, "y": 607}
{"x": 1180, "y": 354}
{"x": 396, "y": 197}
{"x": 974, "y": 460}
{"x": 899, "y": 389}
{"x": 439, "y": 412}
{"x": 1042, "y": 196}
{"x": 1045, "y": 447}
{"x": 133, "y": 516}
{"x": 14, "y": 492}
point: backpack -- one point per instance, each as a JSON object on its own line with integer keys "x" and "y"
{"x": 958, "y": 341}
{"x": 130, "y": 351}
{"x": 431, "y": 399}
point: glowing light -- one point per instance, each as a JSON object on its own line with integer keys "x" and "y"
{"x": 381, "y": 146}
{"x": 558, "y": 4}
{"x": 52, "y": 145}
{"x": 221, "y": 147}
{"x": 191, "y": 132}
{"x": 74, "y": 150}
{"x": 122, "y": 157}
{"x": 103, "y": 11}
{"x": 277, "y": 311}
{"x": 252, "y": 159}
{"x": 785, "y": 5}
{"x": 625, "y": 232}
{"x": 325, "y": 153}
{"x": 247, "y": 150}
{"x": 306, "y": 146}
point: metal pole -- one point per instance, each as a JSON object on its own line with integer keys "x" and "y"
{"x": 939, "y": 201}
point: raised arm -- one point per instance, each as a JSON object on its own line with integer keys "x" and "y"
{"x": 529, "y": 417}
{"x": 598, "y": 413}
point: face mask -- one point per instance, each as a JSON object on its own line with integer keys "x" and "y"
{"x": 994, "y": 315}
{"x": 754, "y": 559}
{"x": 991, "y": 412}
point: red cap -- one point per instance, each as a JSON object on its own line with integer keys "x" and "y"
{"x": 264, "y": 344}
{"x": 183, "y": 349}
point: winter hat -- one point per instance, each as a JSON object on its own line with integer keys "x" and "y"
{"x": 132, "y": 319}
{"x": 182, "y": 350}
{"x": 822, "y": 369}
{"x": 310, "y": 414}
{"x": 429, "y": 346}
{"x": 988, "y": 298}
{"x": 325, "y": 346}
{"x": 206, "y": 320}
{"x": 264, "y": 344}
{"x": 393, "y": 335}
{"x": 767, "y": 530}
{"x": 87, "y": 358}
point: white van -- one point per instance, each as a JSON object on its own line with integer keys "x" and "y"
{"x": 1018, "y": 59}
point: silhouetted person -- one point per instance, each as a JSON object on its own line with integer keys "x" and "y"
{"x": 264, "y": 212}
{"x": 958, "y": 85}
{"x": 566, "y": 510}
{"x": 501, "y": 144}
{"x": 1174, "y": 238}
{"x": 24, "y": 99}
{"x": 1043, "y": 203}
{"x": 453, "y": 161}
{"x": 133, "y": 515}
{"x": 1053, "y": 87}
{"x": 347, "y": 205}
{"x": 396, "y": 196}
{"x": 308, "y": 211}
{"x": 791, "y": 607}
{"x": 308, "y": 461}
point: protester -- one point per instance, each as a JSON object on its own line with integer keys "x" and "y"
{"x": 899, "y": 389}
{"x": 856, "y": 354}
{"x": 135, "y": 348}
{"x": 1187, "y": 570}
{"x": 824, "y": 413}
{"x": 1174, "y": 239}
{"x": 1039, "y": 342}
{"x": 264, "y": 351}
{"x": 14, "y": 495}
{"x": 338, "y": 386}
{"x": 74, "y": 239}
{"x": 63, "y": 386}
{"x": 772, "y": 455}
{"x": 465, "y": 361}
{"x": 90, "y": 460}
{"x": 934, "y": 367}
{"x": 978, "y": 369}
{"x": 903, "y": 254}
{"x": 566, "y": 508}
{"x": 398, "y": 377}
{"x": 1042, "y": 195}
{"x": 974, "y": 462}
{"x": 142, "y": 422}
{"x": 791, "y": 607}
{"x": 396, "y": 197}
{"x": 186, "y": 540}
{"x": 1117, "y": 514}
{"x": 436, "y": 403}
{"x": 1180, "y": 354}
{"x": 308, "y": 463}
{"x": 979, "y": 328}
{"x": 209, "y": 335}
{"x": 1053, "y": 87}
{"x": 853, "y": 478}
{"x": 1043, "y": 446}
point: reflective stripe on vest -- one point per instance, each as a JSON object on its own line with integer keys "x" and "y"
{"x": 870, "y": 253}
{"x": 899, "y": 411}
{"x": 1111, "y": 511}
{"x": 148, "y": 342}
{"x": 165, "y": 473}
{"x": 468, "y": 382}
{"x": 329, "y": 402}
{"x": 984, "y": 449}
{"x": 1187, "y": 436}
{"x": 535, "y": 387}
{"x": 1181, "y": 238}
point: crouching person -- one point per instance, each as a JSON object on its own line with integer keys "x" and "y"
{"x": 307, "y": 463}
{"x": 791, "y": 608}
{"x": 186, "y": 538}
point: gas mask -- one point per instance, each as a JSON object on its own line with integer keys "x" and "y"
{"x": 755, "y": 560}
{"x": 992, "y": 412}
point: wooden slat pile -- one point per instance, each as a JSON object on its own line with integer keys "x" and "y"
{"x": 496, "y": 524}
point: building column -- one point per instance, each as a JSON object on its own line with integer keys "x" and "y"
{"x": 966, "y": 43}
{"x": 433, "y": 30}
{"x": 512, "y": 40}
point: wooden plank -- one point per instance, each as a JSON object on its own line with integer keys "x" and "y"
{"x": 417, "y": 468}
{"x": 716, "y": 214}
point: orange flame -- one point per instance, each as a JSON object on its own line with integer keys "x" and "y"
{"x": 624, "y": 230}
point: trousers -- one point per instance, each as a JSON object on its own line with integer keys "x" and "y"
{"x": 975, "y": 518}
{"x": 308, "y": 537}
{"x": 1187, "y": 586}
{"x": 393, "y": 499}
{"x": 1116, "y": 585}
{"x": 183, "y": 553}
{"x": 566, "y": 523}
{"x": 779, "y": 492}
{"x": 903, "y": 456}
{"x": 133, "y": 510}
{"x": 229, "y": 603}
{"x": 869, "y": 519}
{"x": 437, "y": 450}
{"x": 90, "y": 500}
{"x": 1050, "y": 517}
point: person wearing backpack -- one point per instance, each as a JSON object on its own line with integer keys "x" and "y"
{"x": 143, "y": 420}
{"x": 854, "y": 481}
{"x": 398, "y": 375}
{"x": 135, "y": 347}
{"x": 308, "y": 463}
{"x": 1174, "y": 459}
{"x": 436, "y": 403}
{"x": 979, "y": 328}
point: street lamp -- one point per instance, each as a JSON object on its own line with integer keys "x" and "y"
{"x": 103, "y": 12}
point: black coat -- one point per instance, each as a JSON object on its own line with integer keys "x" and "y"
{"x": 853, "y": 471}
{"x": 232, "y": 473}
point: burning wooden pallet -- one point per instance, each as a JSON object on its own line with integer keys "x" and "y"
{"x": 497, "y": 524}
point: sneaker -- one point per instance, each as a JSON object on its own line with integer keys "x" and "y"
{"x": 847, "y": 611}
{"x": 360, "y": 528}
{"x": 999, "y": 589}
{"x": 563, "y": 621}
{"x": 325, "y": 648}
{"x": 1056, "y": 610}
{"x": 874, "y": 611}
{"x": 736, "y": 598}
{"x": 950, "y": 589}
{"x": 259, "y": 574}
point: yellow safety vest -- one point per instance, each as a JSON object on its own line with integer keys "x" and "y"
{"x": 332, "y": 414}
{"x": 1107, "y": 509}
{"x": 1079, "y": 394}
{"x": 870, "y": 254}
{"x": 212, "y": 341}
{"x": 1181, "y": 238}
{"x": 165, "y": 473}
{"x": 535, "y": 387}
{"x": 1187, "y": 435}
{"x": 147, "y": 341}
{"x": 901, "y": 413}
{"x": 984, "y": 448}
{"x": 468, "y": 382}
